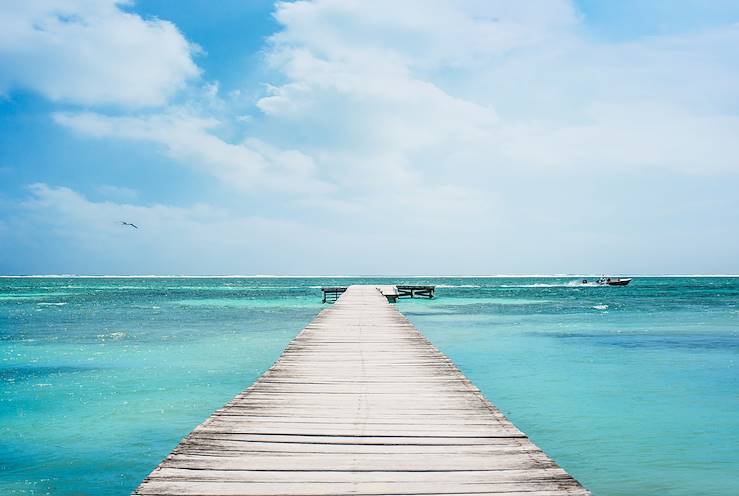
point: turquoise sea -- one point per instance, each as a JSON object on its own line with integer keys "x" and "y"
{"x": 633, "y": 390}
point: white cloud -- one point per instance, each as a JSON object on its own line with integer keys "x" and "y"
{"x": 201, "y": 238}
{"x": 418, "y": 34}
{"x": 469, "y": 88}
{"x": 490, "y": 126}
{"x": 90, "y": 238}
{"x": 119, "y": 193}
{"x": 205, "y": 239}
{"x": 190, "y": 139}
{"x": 628, "y": 136}
{"x": 91, "y": 52}
{"x": 385, "y": 97}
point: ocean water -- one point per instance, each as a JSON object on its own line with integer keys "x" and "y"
{"x": 633, "y": 390}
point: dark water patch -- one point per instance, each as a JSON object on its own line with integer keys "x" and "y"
{"x": 708, "y": 344}
{"x": 55, "y": 469}
{"x": 633, "y": 340}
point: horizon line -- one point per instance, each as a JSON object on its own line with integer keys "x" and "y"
{"x": 292, "y": 276}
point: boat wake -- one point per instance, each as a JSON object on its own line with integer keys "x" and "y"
{"x": 457, "y": 286}
{"x": 570, "y": 284}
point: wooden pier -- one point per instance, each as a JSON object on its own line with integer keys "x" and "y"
{"x": 392, "y": 293}
{"x": 359, "y": 403}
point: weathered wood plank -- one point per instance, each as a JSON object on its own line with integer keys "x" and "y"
{"x": 241, "y": 488}
{"x": 359, "y": 403}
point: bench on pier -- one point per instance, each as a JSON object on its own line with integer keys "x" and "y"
{"x": 330, "y": 295}
{"x": 416, "y": 291}
{"x": 392, "y": 293}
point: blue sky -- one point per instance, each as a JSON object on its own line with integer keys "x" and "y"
{"x": 334, "y": 137}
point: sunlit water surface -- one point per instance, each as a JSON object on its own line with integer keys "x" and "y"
{"x": 633, "y": 390}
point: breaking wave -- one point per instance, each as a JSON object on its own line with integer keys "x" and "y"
{"x": 458, "y": 286}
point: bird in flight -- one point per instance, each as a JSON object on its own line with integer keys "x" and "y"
{"x": 124, "y": 223}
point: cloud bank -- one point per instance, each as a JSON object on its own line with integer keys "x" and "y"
{"x": 499, "y": 126}
{"x": 91, "y": 52}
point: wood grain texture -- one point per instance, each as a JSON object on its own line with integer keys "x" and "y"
{"x": 359, "y": 403}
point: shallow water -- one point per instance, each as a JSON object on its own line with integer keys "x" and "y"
{"x": 633, "y": 390}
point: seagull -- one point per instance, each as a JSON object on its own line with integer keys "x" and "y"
{"x": 124, "y": 223}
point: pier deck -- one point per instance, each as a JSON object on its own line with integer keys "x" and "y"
{"x": 392, "y": 293}
{"x": 359, "y": 403}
